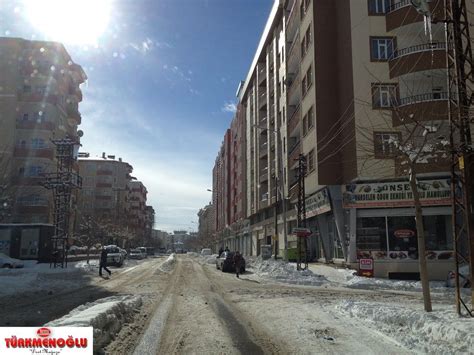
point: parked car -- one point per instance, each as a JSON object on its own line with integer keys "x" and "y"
{"x": 136, "y": 254}
{"x": 225, "y": 262}
{"x": 114, "y": 255}
{"x": 464, "y": 277}
{"x": 124, "y": 253}
{"x": 150, "y": 251}
{"x": 7, "y": 262}
{"x": 206, "y": 251}
{"x": 143, "y": 250}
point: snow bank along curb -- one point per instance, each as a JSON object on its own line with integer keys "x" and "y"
{"x": 168, "y": 265}
{"x": 106, "y": 315}
{"x": 284, "y": 272}
{"x": 438, "y": 332}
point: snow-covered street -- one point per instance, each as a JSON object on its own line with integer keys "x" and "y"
{"x": 182, "y": 304}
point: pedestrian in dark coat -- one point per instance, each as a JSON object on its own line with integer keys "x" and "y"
{"x": 237, "y": 263}
{"x": 103, "y": 262}
{"x": 221, "y": 251}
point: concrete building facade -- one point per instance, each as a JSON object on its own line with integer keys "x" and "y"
{"x": 39, "y": 97}
{"x": 346, "y": 84}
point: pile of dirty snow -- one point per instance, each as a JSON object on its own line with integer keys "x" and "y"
{"x": 193, "y": 254}
{"x": 38, "y": 278}
{"x": 440, "y": 331}
{"x": 168, "y": 265}
{"x": 283, "y": 272}
{"x": 106, "y": 316}
{"x": 360, "y": 282}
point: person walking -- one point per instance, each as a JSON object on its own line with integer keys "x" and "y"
{"x": 103, "y": 262}
{"x": 221, "y": 251}
{"x": 237, "y": 263}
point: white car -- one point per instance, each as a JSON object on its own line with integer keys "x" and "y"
{"x": 114, "y": 255}
{"x": 7, "y": 262}
{"x": 206, "y": 251}
{"x": 464, "y": 278}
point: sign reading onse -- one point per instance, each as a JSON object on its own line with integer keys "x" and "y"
{"x": 396, "y": 194}
{"x": 366, "y": 267}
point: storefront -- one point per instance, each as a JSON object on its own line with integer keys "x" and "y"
{"x": 381, "y": 220}
{"x": 26, "y": 241}
{"x": 326, "y": 244}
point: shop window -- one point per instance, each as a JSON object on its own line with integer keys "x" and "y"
{"x": 371, "y": 237}
{"x": 402, "y": 238}
{"x": 438, "y": 233}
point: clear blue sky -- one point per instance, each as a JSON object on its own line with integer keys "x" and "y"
{"x": 162, "y": 81}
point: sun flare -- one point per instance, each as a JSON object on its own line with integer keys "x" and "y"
{"x": 80, "y": 22}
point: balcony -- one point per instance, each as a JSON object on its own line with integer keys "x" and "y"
{"x": 294, "y": 120}
{"x": 33, "y": 124}
{"x": 422, "y": 107}
{"x": 294, "y": 153}
{"x": 263, "y": 177}
{"x": 293, "y": 21}
{"x": 103, "y": 184}
{"x": 262, "y": 73}
{"x": 418, "y": 58}
{"x": 293, "y": 55}
{"x": 104, "y": 172}
{"x": 23, "y": 152}
{"x": 402, "y": 13}
{"x": 262, "y": 100}
{"x": 73, "y": 112}
{"x": 294, "y": 89}
{"x": 39, "y": 97}
{"x": 103, "y": 197}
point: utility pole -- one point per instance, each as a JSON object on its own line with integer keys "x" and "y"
{"x": 61, "y": 183}
{"x": 460, "y": 92}
{"x": 301, "y": 217}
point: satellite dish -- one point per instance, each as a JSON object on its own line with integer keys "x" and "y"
{"x": 80, "y": 133}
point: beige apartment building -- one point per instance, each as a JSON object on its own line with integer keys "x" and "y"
{"x": 343, "y": 82}
{"x": 114, "y": 198}
{"x": 105, "y": 191}
{"x": 39, "y": 97}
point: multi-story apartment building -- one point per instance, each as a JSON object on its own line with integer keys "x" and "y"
{"x": 207, "y": 226}
{"x": 149, "y": 222}
{"x": 138, "y": 208}
{"x": 344, "y": 83}
{"x": 39, "y": 97}
{"x": 104, "y": 196}
{"x": 229, "y": 187}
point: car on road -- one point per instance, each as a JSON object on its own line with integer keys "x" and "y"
{"x": 206, "y": 251}
{"x": 7, "y": 262}
{"x": 124, "y": 253}
{"x": 225, "y": 262}
{"x": 464, "y": 277}
{"x": 144, "y": 252}
{"x": 114, "y": 255}
{"x": 136, "y": 254}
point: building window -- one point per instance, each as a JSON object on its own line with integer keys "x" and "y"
{"x": 381, "y": 48}
{"x": 304, "y": 7}
{"x": 306, "y": 42}
{"x": 25, "y": 117}
{"x": 32, "y": 200}
{"x": 41, "y": 89}
{"x": 384, "y": 144}
{"x": 26, "y": 89}
{"x": 307, "y": 81}
{"x": 310, "y": 161}
{"x": 38, "y": 143}
{"x": 384, "y": 95}
{"x": 379, "y": 7}
{"x": 371, "y": 237}
{"x": 308, "y": 121}
{"x": 34, "y": 171}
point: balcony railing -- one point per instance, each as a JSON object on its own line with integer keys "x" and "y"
{"x": 432, "y": 96}
{"x": 398, "y": 5}
{"x": 419, "y": 48}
